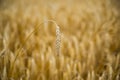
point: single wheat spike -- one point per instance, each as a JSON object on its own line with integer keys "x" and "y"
{"x": 58, "y": 39}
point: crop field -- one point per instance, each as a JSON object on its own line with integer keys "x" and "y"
{"x": 59, "y": 39}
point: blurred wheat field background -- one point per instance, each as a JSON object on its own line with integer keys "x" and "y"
{"x": 90, "y": 41}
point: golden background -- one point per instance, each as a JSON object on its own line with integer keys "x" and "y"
{"x": 90, "y": 40}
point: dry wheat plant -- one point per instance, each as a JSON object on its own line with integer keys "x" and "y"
{"x": 59, "y": 40}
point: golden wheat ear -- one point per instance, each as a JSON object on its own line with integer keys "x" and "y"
{"x": 58, "y": 40}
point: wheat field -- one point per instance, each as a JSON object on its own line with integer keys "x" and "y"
{"x": 59, "y": 40}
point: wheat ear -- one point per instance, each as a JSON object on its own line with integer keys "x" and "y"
{"x": 58, "y": 40}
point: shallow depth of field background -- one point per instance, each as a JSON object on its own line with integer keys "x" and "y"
{"x": 90, "y": 40}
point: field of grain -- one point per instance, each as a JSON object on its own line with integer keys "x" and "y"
{"x": 59, "y": 40}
